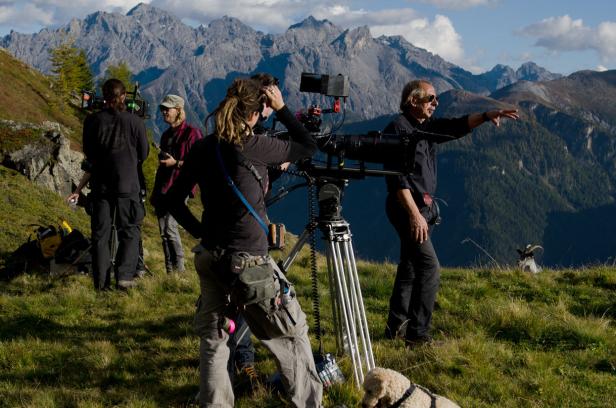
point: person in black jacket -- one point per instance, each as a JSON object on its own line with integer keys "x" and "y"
{"x": 115, "y": 145}
{"x": 234, "y": 243}
{"x": 411, "y": 208}
{"x": 242, "y": 356}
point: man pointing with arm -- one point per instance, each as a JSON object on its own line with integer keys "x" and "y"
{"x": 413, "y": 213}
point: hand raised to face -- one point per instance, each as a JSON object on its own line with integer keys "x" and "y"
{"x": 274, "y": 97}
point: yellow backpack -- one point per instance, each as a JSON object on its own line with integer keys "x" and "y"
{"x": 49, "y": 238}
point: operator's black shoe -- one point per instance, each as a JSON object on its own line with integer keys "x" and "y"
{"x": 421, "y": 341}
{"x": 246, "y": 380}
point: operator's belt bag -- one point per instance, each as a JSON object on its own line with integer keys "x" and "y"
{"x": 253, "y": 280}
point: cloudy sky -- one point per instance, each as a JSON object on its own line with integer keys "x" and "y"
{"x": 561, "y": 35}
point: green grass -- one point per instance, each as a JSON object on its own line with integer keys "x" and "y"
{"x": 507, "y": 339}
{"x": 29, "y": 97}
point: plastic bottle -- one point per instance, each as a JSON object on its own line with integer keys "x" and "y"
{"x": 228, "y": 325}
{"x": 287, "y": 295}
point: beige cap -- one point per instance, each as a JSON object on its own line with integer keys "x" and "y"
{"x": 172, "y": 101}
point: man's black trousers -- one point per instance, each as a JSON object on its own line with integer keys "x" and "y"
{"x": 128, "y": 213}
{"x": 417, "y": 278}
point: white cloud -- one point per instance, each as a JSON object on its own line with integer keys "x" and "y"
{"x": 438, "y": 36}
{"x": 24, "y": 16}
{"x": 266, "y": 15}
{"x": 563, "y": 34}
{"x": 32, "y": 15}
{"x": 345, "y": 17}
{"x": 601, "y": 68}
{"x": 606, "y": 40}
{"x": 459, "y": 4}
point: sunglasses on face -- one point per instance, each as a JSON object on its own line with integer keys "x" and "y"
{"x": 430, "y": 98}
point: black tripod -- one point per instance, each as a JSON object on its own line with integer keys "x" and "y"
{"x": 349, "y": 315}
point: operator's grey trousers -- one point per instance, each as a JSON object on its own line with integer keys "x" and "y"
{"x": 287, "y": 341}
{"x": 172, "y": 243}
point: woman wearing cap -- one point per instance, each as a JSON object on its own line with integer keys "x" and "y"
{"x": 175, "y": 143}
{"x": 230, "y": 230}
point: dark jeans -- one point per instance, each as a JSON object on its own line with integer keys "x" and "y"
{"x": 417, "y": 278}
{"x": 128, "y": 216}
{"x": 140, "y": 260}
{"x": 240, "y": 345}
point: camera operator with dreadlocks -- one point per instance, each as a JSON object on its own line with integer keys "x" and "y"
{"x": 240, "y": 344}
{"x": 115, "y": 145}
{"x": 235, "y": 270}
{"x": 413, "y": 212}
{"x": 175, "y": 143}
{"x": 242, "y": 357}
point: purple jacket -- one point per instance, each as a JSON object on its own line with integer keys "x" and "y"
{"x": 177, "y": 142}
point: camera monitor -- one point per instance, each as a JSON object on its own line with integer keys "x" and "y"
{"x": 334, "y": 85}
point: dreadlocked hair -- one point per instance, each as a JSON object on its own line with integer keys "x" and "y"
{"x": 232, "y": 115}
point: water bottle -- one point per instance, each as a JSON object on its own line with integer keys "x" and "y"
{"x": 287, "y": 295}
{"x": 228, "y": 325}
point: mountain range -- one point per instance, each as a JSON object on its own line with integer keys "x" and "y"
{"x": 167, "y": 56}
{"x": 548, "y": 178}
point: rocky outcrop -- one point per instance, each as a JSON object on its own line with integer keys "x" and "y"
{"x": 45, "y": 157}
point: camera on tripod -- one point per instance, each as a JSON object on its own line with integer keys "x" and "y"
{"x": 396, "y": 151}
{"x": 135, "y": 103}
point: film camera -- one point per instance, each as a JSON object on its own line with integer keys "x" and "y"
{"x": 396, "y": 151}
{"x": 336, "y": 86}
{"x": 135, "y": 103}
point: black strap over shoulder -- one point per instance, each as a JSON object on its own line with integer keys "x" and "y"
{"x": 239, "y": 194}
{"x": 243, "y": 161}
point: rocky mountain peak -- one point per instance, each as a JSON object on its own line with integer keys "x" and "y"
{"x": 145, "y": 9}
{"x": 149, "y": 15}
{"x": 530, "y": 71}
{"x": 229, "y": 27}
{"x": 500, "y": 69}
{"x": 353, "y": 40}
{"x": 311, "y": 23}
{"x": 307, "y": 33}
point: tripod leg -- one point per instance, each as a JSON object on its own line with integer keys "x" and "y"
{"x": 347, "y": 300}
{"x": 347, "y": 311}
{"x": 297, "y": 247}
{"x": 359, "y": 304}
{"x": 336, "y": 307}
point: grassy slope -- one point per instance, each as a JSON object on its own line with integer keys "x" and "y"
{"x": 509, "y": 339}
{"x": 27, "y": 96}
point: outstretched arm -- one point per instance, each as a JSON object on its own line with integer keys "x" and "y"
{"x": 493, "y": 116}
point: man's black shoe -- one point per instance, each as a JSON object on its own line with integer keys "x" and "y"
{"x": 400, "y": 332}
{"x": 418, "y": 341}
{"x": 246, "y": 379}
